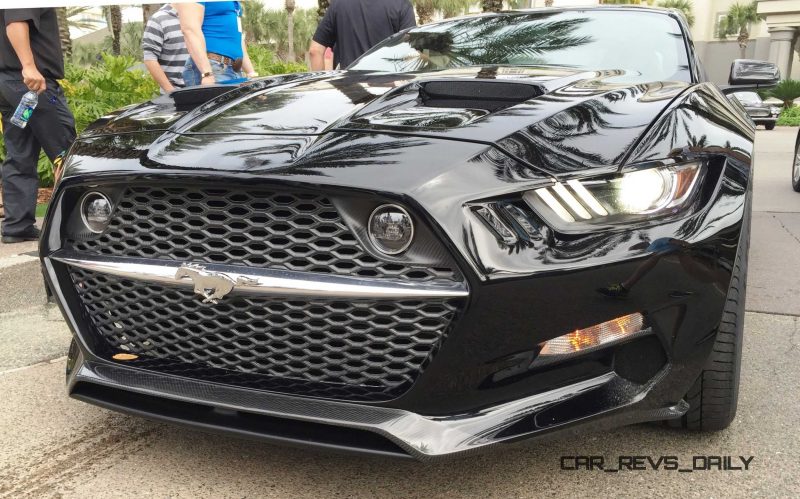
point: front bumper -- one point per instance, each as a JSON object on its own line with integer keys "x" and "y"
{"x": 377, "y": 430}
{"x": 765, "y": 120}
{"x": 480, "y": 389}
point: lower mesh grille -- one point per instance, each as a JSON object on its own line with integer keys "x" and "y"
{"x": 372, "y": 350}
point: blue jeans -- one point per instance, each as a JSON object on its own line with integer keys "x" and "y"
{"x": 222, "y": 73}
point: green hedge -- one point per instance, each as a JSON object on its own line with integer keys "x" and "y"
{"x": 789, "y": 117}
{"x": 108, "y": 85}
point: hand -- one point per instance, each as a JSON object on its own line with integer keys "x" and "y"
{"x": 33, "y": 79}
{"x": 208, "y": 80}
{"x": 168, "y": 89}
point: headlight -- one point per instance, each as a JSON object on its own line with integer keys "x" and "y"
{"x": 634, "y": 195}
{"x": 775, "y": 110}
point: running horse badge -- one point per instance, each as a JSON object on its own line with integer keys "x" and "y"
{"x": 212, "y": 286}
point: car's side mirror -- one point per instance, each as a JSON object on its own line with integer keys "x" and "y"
{"x": 748, "y": 74}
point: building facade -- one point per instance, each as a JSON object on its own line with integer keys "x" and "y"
{"x": 782, "y": 20}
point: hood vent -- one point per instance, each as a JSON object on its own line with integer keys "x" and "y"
{"x": 444, "y": 104}
{"x": 191, "y": 97}
{"x": 487, "y": 95}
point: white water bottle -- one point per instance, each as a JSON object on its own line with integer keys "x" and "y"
{"x": 25, "y": 109}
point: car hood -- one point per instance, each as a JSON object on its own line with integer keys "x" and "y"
{"x": 552, "y": 120}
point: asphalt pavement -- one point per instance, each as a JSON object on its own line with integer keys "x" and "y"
{"x": 53, "y": 446}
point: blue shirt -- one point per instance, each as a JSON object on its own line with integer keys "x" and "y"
{"x": 221, "y": 28}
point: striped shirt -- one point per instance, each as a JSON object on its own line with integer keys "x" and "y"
{"x": 163, "y": 42}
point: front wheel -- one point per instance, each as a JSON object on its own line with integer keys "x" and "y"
{"x": 769, "y": 126}
{"x": 715, "y": 394}
{"x": 796, "y": 166}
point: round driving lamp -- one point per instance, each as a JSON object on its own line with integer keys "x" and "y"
{"x": 391, "y": 229}
{"x": 96, "y": 211}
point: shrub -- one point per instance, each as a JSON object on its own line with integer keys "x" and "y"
{"x": 99, "y": 89}
{"x": 786, "y": 91}
{"x": 94, "y": 91}
{"x": 789, "y": 117}
{"x": 266, "y": 63}
{"x": 110, "y": 84}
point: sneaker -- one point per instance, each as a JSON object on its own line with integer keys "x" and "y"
{"x": 614, "y": 291}
{"x": 31, "y": 234}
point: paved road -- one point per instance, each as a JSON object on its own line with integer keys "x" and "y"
{"x": 56, "y": 447}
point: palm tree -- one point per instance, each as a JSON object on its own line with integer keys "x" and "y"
{"x": 492, "y": 5}
{"x": 63, "y": 31}
{"x": 627, "y": 2}
{"x": 68, "y": 18}
{"x": 148, "y": 10}
{"x": 449, "y": 8}
{"x": 113, "y": 15}
{"x": 684, "y": 6}
{"x": 787, "y": 91}
{"x": 452, "y": 8}
{"x": 253, "y": 22}
{"x": 739, "y": 19}
{"x": 322, "y": 7}
{"x": 425, "y": 10}
{"x": 290, "y": 5}
{"x": 488, "y": 41}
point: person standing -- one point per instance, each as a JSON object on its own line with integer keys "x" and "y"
{"x": 213, "y": 35}
{"x": 30, "y": 60}
{"x": 164, "y": 50}
{"x": 351, "y": 27}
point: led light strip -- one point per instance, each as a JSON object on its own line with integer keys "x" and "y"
{"x": 552, "y": 202}
{"x": 573, "y": 203}
{"x": 490, "y": 218}
{"x": 587, "y": 198}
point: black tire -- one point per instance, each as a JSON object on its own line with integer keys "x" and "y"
{"x": 715, "y": 394}
{"x": 770, "y": 126}
{"x": 796, "y": 165}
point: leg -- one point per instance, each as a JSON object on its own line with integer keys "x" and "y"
{"x": 223, "y": 73}
{"x": 52, "y": 123}
{"x": 191, "y": 75}
{"x": 642, "y": 270}
{"x": 20, "y": 178}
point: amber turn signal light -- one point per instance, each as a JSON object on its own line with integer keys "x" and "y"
{"x": 593, "y": 337}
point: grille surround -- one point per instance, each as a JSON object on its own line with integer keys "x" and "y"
{"x": 249, "y": 227}
{"x": 353, "y": 350}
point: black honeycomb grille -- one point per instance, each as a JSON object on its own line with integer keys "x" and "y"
{"x": 350, "y": 350}
{"x": 254, "y": 228}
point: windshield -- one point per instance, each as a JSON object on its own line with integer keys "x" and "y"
{"x": 749, "y": 97}
{"x": 647, "y": 43}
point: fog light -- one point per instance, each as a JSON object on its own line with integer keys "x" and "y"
{"x": 591, "y": 338}
{"x": 391, "y": 229}
{"x": 96, "y": 211}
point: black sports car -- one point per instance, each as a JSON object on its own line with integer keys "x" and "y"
{"x": 759, "y": 111}
{"x": 486, "y": 229}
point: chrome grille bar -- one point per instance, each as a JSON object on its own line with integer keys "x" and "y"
{"x": 265, "y": 282}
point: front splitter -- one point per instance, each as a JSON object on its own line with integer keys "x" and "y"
{"x": 422, "y": 437}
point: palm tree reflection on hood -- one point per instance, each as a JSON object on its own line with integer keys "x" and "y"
{"x": 487, "y": 41}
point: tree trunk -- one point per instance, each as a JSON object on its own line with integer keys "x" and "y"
{"x": 322, "y": 7}
{"x": 492, "y": 5}
{"x": 148, "y": 10}
{"x": 115, "y": 13}
{"x": 742, "y": 39}
{"x": 290, "y": 6}
{"x": 424, "y": 12}
{"x": 63, "y": 32}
